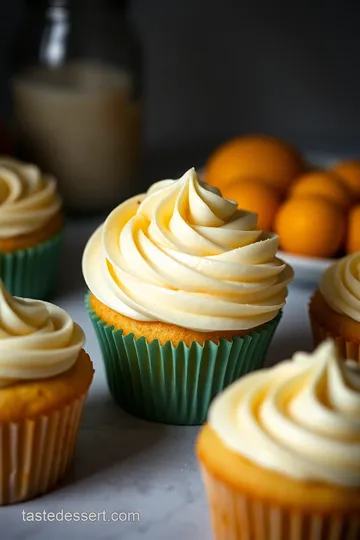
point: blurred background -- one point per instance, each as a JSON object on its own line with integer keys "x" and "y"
{"x": 213, "y": 70}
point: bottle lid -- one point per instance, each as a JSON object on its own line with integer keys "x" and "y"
{"x": 64, "y": 3}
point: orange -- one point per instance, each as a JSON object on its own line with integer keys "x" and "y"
{"x": 349, "y": 171}
{"x": 353, "y": 233}
{"x": 254, "y": 157}
{"x": 255, "y": 197}
{"x": 325, "y": 183}
{"x": 311, "y": 225}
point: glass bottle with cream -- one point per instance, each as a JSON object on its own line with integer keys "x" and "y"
{"x": 76, "y": 91}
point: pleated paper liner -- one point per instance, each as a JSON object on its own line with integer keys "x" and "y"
{"x": 32, "y": 272}
{"x": 235, "y": 516}
{"x": 175, "y": 385}
{"x": 35, "y": 453}
{"x": 349, "y": 350}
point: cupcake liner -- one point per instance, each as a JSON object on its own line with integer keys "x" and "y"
{"x": 35, "y": 453}
{"x": 175, "y": 385}
{"x": 236, "y": 516}
{"x": 349, "y": 350}
{"x": 31, "y": 272}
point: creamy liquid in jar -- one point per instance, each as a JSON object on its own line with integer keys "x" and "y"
{"x": 80, "y": 123}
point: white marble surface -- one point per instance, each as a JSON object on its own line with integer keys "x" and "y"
{"x": 123, "y": 464}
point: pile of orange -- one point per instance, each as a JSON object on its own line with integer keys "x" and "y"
{"x": 315, "y": 212}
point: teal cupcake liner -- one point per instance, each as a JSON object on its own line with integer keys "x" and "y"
{"x": 175, "y": 385}
{"x": 32, "y": 272}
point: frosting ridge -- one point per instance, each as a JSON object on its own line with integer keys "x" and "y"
{"x": 28, "y": 199}
{"x": 300, "y": 418}
{"x": 37, "y": 339}
{"x": 340, "y": 286}
{"x": 182, "y": 254}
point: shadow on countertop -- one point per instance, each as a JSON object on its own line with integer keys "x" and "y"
{"x": 110, "y": 438}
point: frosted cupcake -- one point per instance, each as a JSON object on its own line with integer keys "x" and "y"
{"x": 185, "y": 295}
{"x": 335, "y": 307}
{"x": 31, "y": 225}
{"x": 280, "y": 454}
{"x": 44, "y": 378}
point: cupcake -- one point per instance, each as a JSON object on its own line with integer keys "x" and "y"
{"x": 44, "y": 378}
{"x": 335, "y": 307}
{"x": 30, "y": 229}
{"x": 185, "y": 296}
{"x": 280, "y": 453}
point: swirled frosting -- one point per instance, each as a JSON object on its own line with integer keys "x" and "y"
{"x": 300, "y": 418}
{"x": 37, "y": 340}
{"x": 183, "y": 254}
{"x": 340, "y": 286}
{"x": 28, "y": 199}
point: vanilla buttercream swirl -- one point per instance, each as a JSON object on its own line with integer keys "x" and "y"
{"x": 340, "y": 286}
{"x": 38, "y": 340}
{"x": 183, "y": 254}
{"x": 28, "y": 199}
{"x": 300, "y": 418}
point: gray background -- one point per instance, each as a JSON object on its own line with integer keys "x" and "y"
{"x": 215, "y": 69}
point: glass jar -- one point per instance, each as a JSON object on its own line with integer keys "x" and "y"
{"x": 76, "y": 94}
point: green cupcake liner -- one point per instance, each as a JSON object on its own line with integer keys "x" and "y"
{"x": 32, "y": 272}
{"x": 175, "y": 385}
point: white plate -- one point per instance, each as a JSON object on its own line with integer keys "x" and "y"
{"x": 308, "y": 270}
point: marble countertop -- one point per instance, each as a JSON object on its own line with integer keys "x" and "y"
{"x": 125, "y": 465}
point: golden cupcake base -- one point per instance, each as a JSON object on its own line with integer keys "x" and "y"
{"x": 326, "y": 323}
{"x": 25, "y": 241}
{"x": 39, "y": 424}
{"x": 157, "y": 330}
{"x": 237, "y": 516}
{"x": 248, "y": 502}
{"x": 35, "y": 453}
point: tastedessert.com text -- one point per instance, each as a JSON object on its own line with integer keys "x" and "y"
{"x": 66, "y": 516}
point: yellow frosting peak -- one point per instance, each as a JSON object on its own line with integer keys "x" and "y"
{"x": 19, "y": 317}
{"x": 300, "y": 418}
{"x": 183, "y": 254}
{"x": 37, "y": 339}
{"x": 340, "y": 286}
{"x": 28, "y": 199}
